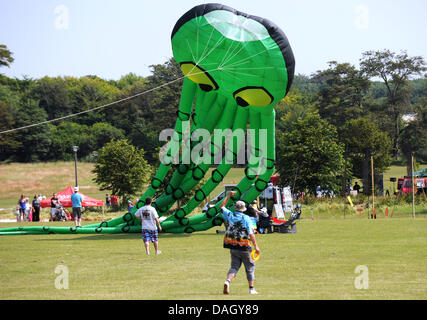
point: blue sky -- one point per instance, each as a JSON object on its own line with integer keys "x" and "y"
{"x": 112, "y": 38}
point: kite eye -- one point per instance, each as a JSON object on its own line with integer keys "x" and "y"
{"x": 205, "y": 87}
{"x": 253, "y": 96}
{"x": 199, "y": 76}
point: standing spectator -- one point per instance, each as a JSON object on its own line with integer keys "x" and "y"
{"x": 252, "y": 210}
{"x": 36, "y": 208}
{"x": 130, "y": 205}
{"x": 53, "y": 202}
{"x": 356, "y": 187}
{"x": 76, "y": 200}
{"x": 149, "y": 218}
{"x": 264, "y": 222}
{"x": 239, "y": 237}
{"x": 16, "y": 212}
{"x": 115, "y": 202}
{"x": 107, "y": 200}
{"x": 22, "y": 206}
{"x": 28, "y": 210}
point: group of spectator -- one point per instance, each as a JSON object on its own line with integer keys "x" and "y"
{"x": 57, "y": 210}
{"x": 112, "y": 201}
{"x": 260, "y": 217}
{"x": 28, "y": 211}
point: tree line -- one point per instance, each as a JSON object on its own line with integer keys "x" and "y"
{"x": 327, "y": 128}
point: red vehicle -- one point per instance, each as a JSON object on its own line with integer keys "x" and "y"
{"x": 404, "y": 185}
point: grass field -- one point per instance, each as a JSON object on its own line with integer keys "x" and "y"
{"x": 318, "y": 262}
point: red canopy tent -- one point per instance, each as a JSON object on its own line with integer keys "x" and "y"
{"x": 64, "y": 198}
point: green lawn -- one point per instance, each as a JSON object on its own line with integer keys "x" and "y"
{"x": 318, "y": 262}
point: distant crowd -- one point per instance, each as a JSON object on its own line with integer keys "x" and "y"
{"x": 28, "y": 211}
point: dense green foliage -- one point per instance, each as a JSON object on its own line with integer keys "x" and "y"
{"x": 311, "y": 155}
{"x": 363, "y": 109}
{"x": 121, "y": 168}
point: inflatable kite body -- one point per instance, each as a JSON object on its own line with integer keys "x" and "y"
{"x": 236, "y": 68}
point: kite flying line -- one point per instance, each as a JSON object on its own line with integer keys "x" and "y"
{"x": 93, "y": 109}
{"x": 103, "y": 106}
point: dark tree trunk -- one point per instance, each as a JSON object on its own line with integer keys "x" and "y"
{"x": 396, "y": 136}
{"x": 366, "y": 174}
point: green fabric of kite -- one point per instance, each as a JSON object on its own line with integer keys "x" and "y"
{"x": 237, "y": 67}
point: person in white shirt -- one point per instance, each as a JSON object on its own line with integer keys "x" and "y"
{"x": 150, "y": 225}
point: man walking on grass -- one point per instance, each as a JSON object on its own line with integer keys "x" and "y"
{"x": 76, "y": 200}
{"x": 149, "y": 218}
{"x": 239, "y": 236}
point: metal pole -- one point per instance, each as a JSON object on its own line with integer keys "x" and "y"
{"x": 345, "y": 183}
{"x": 368, "y": 206}
{"x": 75, "y": 167}
{"x": 75, "y": 148}
{"x": 413, "y": 186}
{"x": 373, "y": 187}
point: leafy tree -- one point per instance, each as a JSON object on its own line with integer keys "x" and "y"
{"x": 144, "y": 117}
{"x": 394, "y": 70}
{"x": 87, "y": 93}
{"x": 305, "y": 84}
{"x": 52, "y": 96}
{"x": 88, "y": 138}
{"x": 5, "y": 56}
{"x": 102, "y": 133}
{"x": 129, "y": 80}
{"x": 309, "y": 155}
{"x": 121, "y": 168}
{"x": 342, "y": 96}
{"x": 8, "y": 141}
{"x": 297, "y": 104}
{"x": 35, "y": 140}
{"x": 67, "y": 134}
{"x": 413, "y": 139}
{"x": 362, "y": 139}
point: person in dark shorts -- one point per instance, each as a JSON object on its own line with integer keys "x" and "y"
{"x": 76, "y": 199}
{"x": 53, "y": 202}
{"x": 36, "y": 207}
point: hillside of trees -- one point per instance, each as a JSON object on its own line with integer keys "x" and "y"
{"x": 363, "y": 110}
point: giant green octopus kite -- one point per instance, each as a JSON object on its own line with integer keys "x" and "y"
{"x": 236, "y": 67}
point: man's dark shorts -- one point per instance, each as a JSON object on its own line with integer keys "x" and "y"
{"x": 77, "y": 213}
